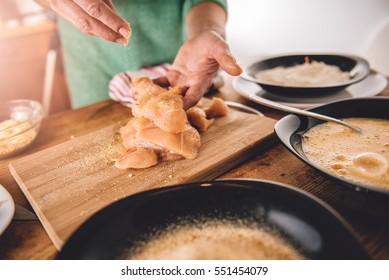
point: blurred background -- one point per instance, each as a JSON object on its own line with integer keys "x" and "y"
{"x": 30, "y": 52}
{"x": 30, "y": 55}
{"x": 361, "y": 27}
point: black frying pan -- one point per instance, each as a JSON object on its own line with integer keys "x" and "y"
{"x": 308, "y": 224}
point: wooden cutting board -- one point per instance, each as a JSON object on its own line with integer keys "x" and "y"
{"x": 69, "y": 182}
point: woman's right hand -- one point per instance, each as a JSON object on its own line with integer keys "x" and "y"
{"x": 94, "y": 17}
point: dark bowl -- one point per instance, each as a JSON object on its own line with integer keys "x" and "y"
{"x": 357, "y": 66}
{"x": 291, "y": 128}
{"x": 292, "y": 213}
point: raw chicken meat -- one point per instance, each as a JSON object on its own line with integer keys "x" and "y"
{"x": 163, "y": 107}
{"x": 139, "y": 158}
{"x": 141, "y": 132}
{"x": 217, "y": 108}
{"x": 161, "y": 130}
{"x": 198, "y": 118}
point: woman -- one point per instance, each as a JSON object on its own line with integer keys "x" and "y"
{"x": 189, "y": 33}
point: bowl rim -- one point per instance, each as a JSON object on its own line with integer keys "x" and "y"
{"x": 37, "y": 109}
{"x": 360, "y": 61}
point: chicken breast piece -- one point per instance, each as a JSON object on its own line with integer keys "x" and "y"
{"x": 217, "y": 108}
{"x": 128, "y": 131}
{"x": 142, "y": 133}
{"x": 198, "y": 118}
{"x": 164, "y": 107}
{"x": 186, "y": 143}
{"x": 140, "y": 158}
{"x": 161, "y": 130}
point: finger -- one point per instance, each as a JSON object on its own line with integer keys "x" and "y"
{"x": 183, "y": 90}
{"x": 193, "y": 96}
{"x": 228, "y": 63}
{"x": 177, "y": 78}
{"x": 110, "y": 4}
{"x": 165, "y": 83}
{"x": 162, "y": 81}
{"x": 105, "y": 14}
{"x": 84, "y": 22}
{"x": 44, "y": 3}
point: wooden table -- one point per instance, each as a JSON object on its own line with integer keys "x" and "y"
{"x": 367, "y": 214}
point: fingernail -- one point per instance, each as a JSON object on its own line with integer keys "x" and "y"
{"x": 234, "y": 60}
{"x": 122, "y": 41}
{"x": 124, "y": 32}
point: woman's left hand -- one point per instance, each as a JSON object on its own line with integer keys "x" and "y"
{"x": 196, "y": 64}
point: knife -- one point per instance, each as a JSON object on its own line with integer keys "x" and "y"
{"x": 23, "y": 214}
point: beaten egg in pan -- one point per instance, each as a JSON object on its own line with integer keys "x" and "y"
{"x": 361, "y": 157}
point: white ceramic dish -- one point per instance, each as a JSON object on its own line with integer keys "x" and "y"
{"x": 7, "y": 209}
{"x": 372, "y": 85}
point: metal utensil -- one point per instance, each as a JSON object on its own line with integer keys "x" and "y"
{"x": 24, "y": 214}
{"x": 255, "y": 98}
{"x": 243, "y": 107}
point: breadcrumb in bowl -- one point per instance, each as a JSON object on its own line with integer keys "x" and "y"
{"x": 221, "y": 219}
{"x": 307, "y": 74}
{"x": 20, "y": 122}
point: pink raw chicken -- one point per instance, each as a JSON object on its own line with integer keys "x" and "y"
{"x": 160, "y": 129}
{"x": 139, "y": 158}
{"x": 159, "y": 126}
{"x": 163, "y": 107}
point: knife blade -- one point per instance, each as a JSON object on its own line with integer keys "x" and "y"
{"x": 23, "y": 214}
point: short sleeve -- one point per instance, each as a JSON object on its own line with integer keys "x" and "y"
{"x": 188, "y": 4}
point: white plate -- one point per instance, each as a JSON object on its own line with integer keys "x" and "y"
{"x": 7, "y": 209}
{"x": 372, "y": 85}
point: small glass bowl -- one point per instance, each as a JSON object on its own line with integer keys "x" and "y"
{"x": 20, "y": 122}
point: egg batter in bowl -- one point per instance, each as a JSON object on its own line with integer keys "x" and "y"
{"x": 362, "y": 158}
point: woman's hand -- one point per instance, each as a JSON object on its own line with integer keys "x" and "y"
{"x": 198, "y": 60}
{"x": 94, "y": 17}
{"x": 196, "y": 64}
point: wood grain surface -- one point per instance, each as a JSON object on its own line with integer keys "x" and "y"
{"x": 69, "y": 182}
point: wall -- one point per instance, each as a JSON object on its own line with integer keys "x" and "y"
{"x": 26, "y": 36}
{"x": 257, "y": 27}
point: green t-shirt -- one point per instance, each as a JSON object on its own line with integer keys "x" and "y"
{"x": 158, "y": 30}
